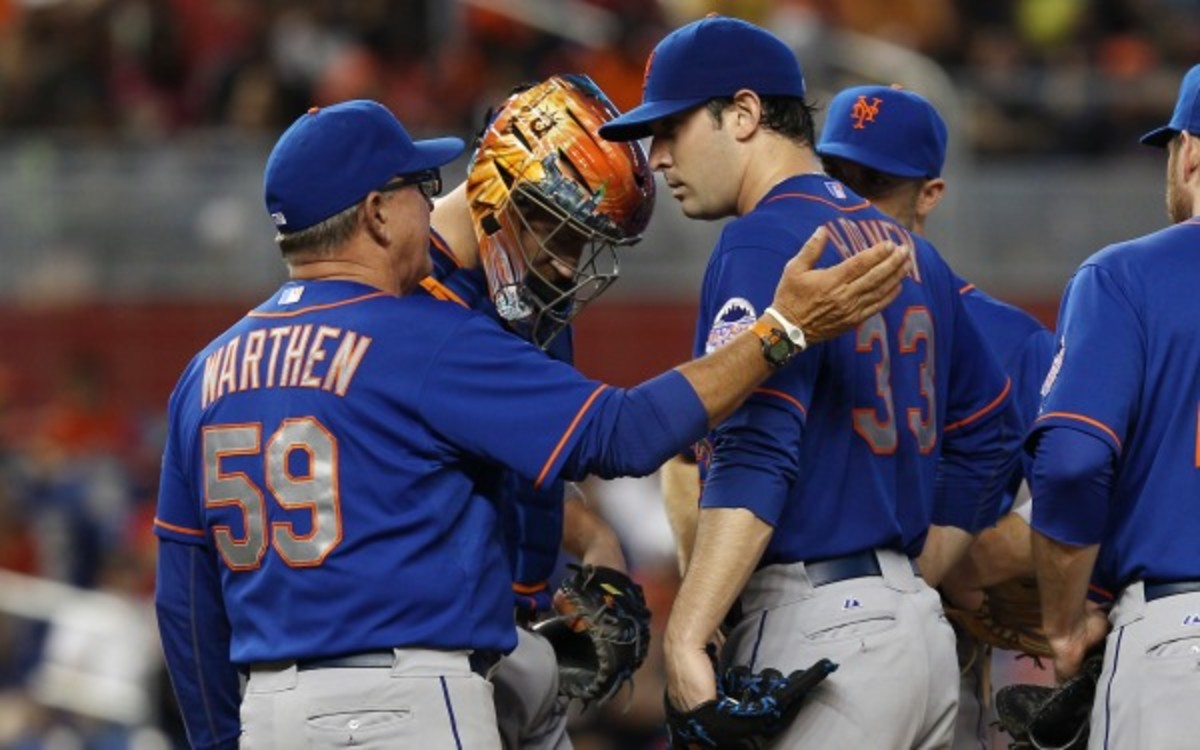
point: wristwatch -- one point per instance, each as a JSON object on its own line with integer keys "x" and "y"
{"x": 779, "y": 343}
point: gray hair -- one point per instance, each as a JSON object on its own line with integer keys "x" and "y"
{"x": 322, "y": 238}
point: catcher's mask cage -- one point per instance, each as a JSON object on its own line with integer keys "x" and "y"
{"x": 551, "y": 202}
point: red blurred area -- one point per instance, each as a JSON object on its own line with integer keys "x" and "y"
{"x": 140, "y": 350}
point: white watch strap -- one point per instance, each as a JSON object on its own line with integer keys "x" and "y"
{"x": 794, "y": 334}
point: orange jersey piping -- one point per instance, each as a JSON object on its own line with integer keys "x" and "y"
{"x": 178, "y": 529}
{"x": 314, "y": 308}
{"x": 995, "y": 402}
{"x": 1086, "y": 420}
{"x": 566, "y": 435}
{"x": 786, "y": 397}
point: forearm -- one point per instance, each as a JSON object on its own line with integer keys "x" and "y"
{"x": 587, "y": 537}
{"x": 729, "y": 543}
{"x": 944, "y": 547}
{"x": 681, "y": 500}
{"x": 722, "y": 380}
{"x": 1004, "y": 552}
{"x": 1063, "y": 573}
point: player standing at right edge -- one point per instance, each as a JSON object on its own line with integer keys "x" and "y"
{"x": 1117, "y": 465}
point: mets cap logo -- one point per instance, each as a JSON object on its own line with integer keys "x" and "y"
{"x": 646, "y": 72}
{"x": 864, "y": 111}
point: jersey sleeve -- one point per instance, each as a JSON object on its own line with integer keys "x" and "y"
{"x": 195, "y": 635}
{"x": 1096, "y": 373}
{"x": 499, "y": 398}
{"x": 756, "y": 451}
{"x": 981, "y": 437}
{"x": 179, "y": 515}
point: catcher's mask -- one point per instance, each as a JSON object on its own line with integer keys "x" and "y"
{"x": 551, "y": 201}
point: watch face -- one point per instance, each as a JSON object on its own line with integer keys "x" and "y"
{"x": 777, "y": 348}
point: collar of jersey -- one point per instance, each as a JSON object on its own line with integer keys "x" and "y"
{"x": 317, "y": 293}
{"x": 813, "y": 184}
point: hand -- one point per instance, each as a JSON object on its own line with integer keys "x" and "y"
{"x": 691, "y": 679}
{"x": 827, "y": 302}
{"x": 1070, "y": 649}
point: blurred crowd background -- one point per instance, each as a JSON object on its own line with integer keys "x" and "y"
{"x": 132, "y": 139}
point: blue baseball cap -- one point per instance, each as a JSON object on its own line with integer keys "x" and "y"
{"x": 331, "y": 157}
{"x": 885, "y": 128}
{"x": 1187, "y": 112}
{"x": 713, "y": 57}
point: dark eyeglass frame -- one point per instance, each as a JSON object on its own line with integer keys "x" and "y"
{"x": 428, "y": 181}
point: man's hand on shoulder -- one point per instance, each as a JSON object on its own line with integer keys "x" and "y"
{"x": 827, "y": 302}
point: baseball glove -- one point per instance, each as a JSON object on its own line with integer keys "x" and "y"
{"x": 601, "y": 633}
{"x": 1010, "y": 618}
{"x": 1037, "y": 717}
{"x": 750, "y": 708}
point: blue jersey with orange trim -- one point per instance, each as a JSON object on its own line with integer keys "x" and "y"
{"x": 532, "y": 517}
{"x": 327, "y": 448}
{"x": 838, "y": 451}
{"x": 1024, "y": 349}
{"x": 1127, "y": 372}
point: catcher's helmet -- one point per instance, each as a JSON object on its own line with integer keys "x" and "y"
{"x": 550, "y": 201}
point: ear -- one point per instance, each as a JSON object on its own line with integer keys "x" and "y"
{"x": 746, "y": 114}
{"x": 374, "y": 218}
{"x": 930, "y": 195}
{"x": 1189, "y": 157}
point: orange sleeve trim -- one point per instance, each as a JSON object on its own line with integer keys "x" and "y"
{"x": 529, "y": 588}
{"x": 1086, "y": 420}
{"x": 566, "y": 435}
{"x": 314, "y": 308}
{"x": 786, "y": 397}
{"x": 966, "y": 289}
{"x": 178, "y": 529}
{"x": 1101, "y": 591}
{"x": 443, "y": 248}
{"x": 816, "y": 199}
{"x": 441, "y": 291}
{"x": 995, "y": 402}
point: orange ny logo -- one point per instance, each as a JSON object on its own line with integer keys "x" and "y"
{"x": 646, "y": 72}
{"x": 864, "y": 112}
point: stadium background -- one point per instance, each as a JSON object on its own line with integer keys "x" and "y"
{"x": 132, "y": 139}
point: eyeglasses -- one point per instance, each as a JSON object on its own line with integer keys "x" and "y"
{"x": 428, "y": 181}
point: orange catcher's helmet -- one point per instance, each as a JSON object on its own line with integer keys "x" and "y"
{"x": 551, "y": 201}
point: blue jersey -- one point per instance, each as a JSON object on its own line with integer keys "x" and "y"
{"x": 532, "y": 517}
{"x": 1127, "y": 373}
{"x": 328, "y": 446}
{"x": 1024, "y": 349}
{"x": 838, "y": 451}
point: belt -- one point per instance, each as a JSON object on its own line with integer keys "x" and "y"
{"x": 1159, "y": 590}
{"x": 856, "y": 565}
{"x": 482, "y": 662}
{"x": 834, "y": 569}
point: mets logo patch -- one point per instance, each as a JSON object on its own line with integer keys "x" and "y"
{"x": 735, "y": 316}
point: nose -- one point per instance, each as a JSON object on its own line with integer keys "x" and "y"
{"x": 660, "y": 154}
{"x": 565, "y": 271}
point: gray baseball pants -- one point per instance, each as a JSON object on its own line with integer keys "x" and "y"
{"x": 421, "y": 699}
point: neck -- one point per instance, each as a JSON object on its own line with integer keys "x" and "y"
{"x": 363, "y": 262}
{"x": 774, "y": 159}
{"x": 451, "y": 218}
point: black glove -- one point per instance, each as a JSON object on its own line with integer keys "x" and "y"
{"x": 601, "y": 634}
{"x": 749, "y": 709}
{"x": 1037, "y": 717}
